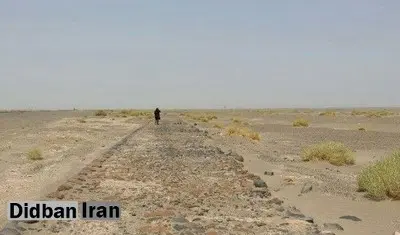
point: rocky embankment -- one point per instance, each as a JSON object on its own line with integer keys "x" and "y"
{"x": 169, "y": 182}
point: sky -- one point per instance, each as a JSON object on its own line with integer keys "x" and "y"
{"x": 199, "y": 54}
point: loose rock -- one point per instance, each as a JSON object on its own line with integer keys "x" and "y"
{"x": 260, "y": 183}
{"x": 270, "y": 173}
{"x": 333, "y": 226}
{"x": 350, "y": 217}
{"x": 9, "y": 231}
{"x": 327, "y": 233}
{"x": 307, "y": 187}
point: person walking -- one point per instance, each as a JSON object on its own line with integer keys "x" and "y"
{"x": 157, "y": 115}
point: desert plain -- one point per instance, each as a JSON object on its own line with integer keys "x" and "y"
{"x": 202, "y": 171}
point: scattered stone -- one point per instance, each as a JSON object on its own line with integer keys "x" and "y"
{"x": 179, "y": 220}
{"x": 178, "y": 227}
{"x": 260, "y": 193}
{"x": 260, "y": 183}
{"x": 291, "y": 158}
{"x": 294, "y": 213}
{"x": 276, "y": 201}
{"x": 327, "y": 233}
{"x": 350, "y": 217}
{"x": 64, "y": 187}
{"x": 307, "y": 187}
{"x": 236, "y": 156}
{"x": 288, "y": 181}
{"x": 333, "y": 226}
{"x": 9, "y": 231}
{"x": 270, "y": 173}
{"x": 308, "y": 219}
{"x": 260, "y": 223}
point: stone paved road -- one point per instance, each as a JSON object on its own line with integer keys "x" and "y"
{"x": 169, "y": 182}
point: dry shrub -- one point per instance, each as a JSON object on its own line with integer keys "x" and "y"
{"x": 300, "y": 123}
{"x": 35, "y": 154}
{"x": 217, "y": 125}
{"x": 335, "y": 153}
{"x": 201, "y": 118}
{"x": 381, "y": 179}
{"x": 236, "y": 130}
{"x": 379, "y": 113}
{"x": 100, "y": 113}
{"x": 361, "y": 129}
{"x": 328, "y": 114}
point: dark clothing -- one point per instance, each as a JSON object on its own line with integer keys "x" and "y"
{"x": 157, "y": 115}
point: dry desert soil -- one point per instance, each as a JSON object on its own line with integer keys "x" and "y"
{"x": 188, "y": 176}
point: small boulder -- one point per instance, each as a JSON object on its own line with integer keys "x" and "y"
{"x": 307, "y": 187}
{"x": 327, "y": 233}
{"x": 260, "y": 193}
{"x": 270, "y": 173}
{"x": 350, "y": 217}
{"x": 333, "y": 226}
{"x": 236, "y": 156}
{"x": 259, "y": 183}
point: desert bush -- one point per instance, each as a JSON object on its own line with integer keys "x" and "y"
{"x": 381, "y": 179}
{"x": 35, "y": 154}
{"x": 217, "y": 125}
{"x": 243, "y": 131}
{"x": 361, "y": 129}
{"x": 254, "y": 136}
{"x": 202, "y": 117}
{"x": 357, "y": 113}
{"x": 335, "y": 153}
{"x": 379, "y": 113}
{"x": 328, "y": 114}
{"x": 300, "y": 123}
{"x": 101, "y": 113}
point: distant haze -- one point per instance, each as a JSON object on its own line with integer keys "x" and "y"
{"x": 199, "y": 54}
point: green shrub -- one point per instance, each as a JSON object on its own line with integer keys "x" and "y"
{"x": 335, "y": 153}
{"x": 381, "y": 179}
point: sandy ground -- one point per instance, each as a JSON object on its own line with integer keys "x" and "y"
{"x": 334, "y": 192}
{"x": 186, "y": 178}
{"x": 67, "y": 144}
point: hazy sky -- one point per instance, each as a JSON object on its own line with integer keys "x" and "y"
{"x": 203, "y": 53}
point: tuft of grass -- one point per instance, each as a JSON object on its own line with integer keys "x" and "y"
{"x": 357, "y": 112}
{"x": 35, "y": 154}
{"x": 382, "y": 179}
{"x": 217, "y": 125}
{"x": 379, "y": 113}
{"x": 254, "y": 136}
{"x": 100, "y": 113}
{"x": 300, "y": 123}
{"x": 372, "y": 113}
{"x": 201, "y": 118}
{"x": 328, "y": 114}
{"x": 334, "y": 152}
{"x": 244, "y": 132}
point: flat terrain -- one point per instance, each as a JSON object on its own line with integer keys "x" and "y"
{"x": 189, "y": 177}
